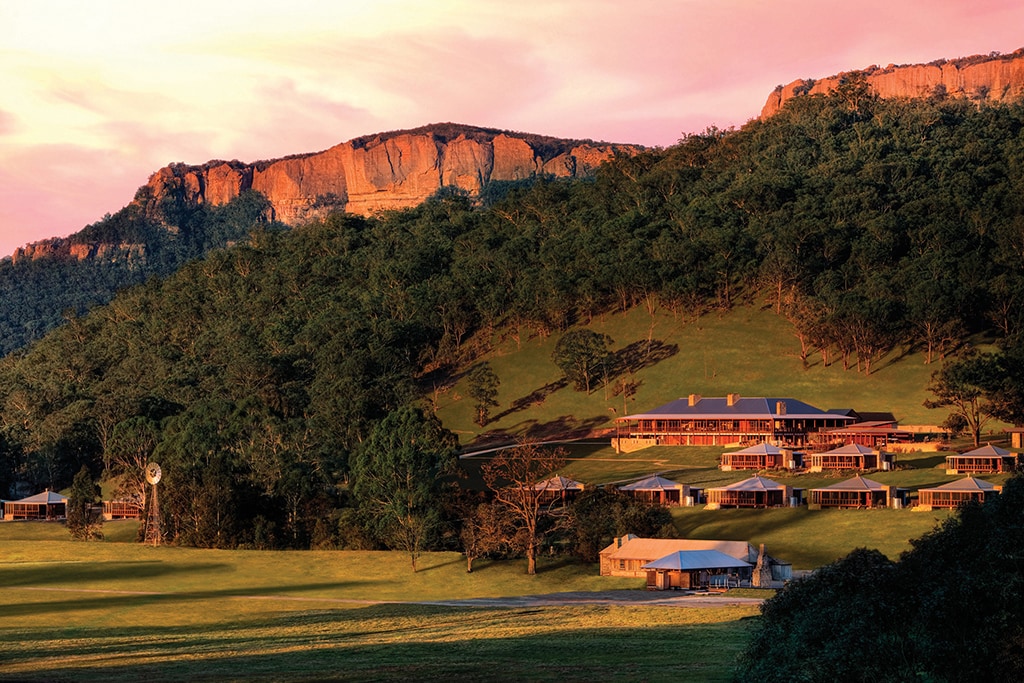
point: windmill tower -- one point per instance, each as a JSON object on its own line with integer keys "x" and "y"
{"x": 153, "y": 534}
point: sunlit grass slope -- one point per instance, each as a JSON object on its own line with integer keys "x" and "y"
{"x": 117, "y": 611}
{"x": 750, "y": 351}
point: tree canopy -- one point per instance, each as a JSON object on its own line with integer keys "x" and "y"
{"x": 951, "y": 608}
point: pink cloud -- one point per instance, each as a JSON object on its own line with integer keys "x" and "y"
{"x": 7, "y": 122}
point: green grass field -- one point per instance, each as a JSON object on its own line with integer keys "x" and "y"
{"x": 114, "y": 610}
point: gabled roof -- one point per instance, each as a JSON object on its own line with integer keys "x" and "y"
{"x": 988, "y": 450}
{"x": 858, "y": 483}
{"x": 755, "y": 483}
{"x": 558, "y": 483}
{"x": 759, "y": 449}
{"x": 850, "y": 449}
{"x": 965, "y": 484}
{"x": 654, "y": 483}
{"x": 631, "y": 547}
{"x": 46, "y": 497}
{"x": 696, "y": 559}
{"x": 749, "y": 408}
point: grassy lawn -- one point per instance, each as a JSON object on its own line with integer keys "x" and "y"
{"x": 112, "y": 610}
{"x": 810, "y": 538}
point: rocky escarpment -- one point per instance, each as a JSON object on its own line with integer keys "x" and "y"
{"x": 992, "y": 78}
{"x": 64, "y": 248}
{"x": 385, "y": 171}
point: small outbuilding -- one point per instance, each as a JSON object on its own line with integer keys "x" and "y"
{"x": 755, "y": 492}
{"x": 46, "y": 506}
{"x": 627, "y": 554}
{"x": 851, "y": 457}
{"x": 558, "y": 489}
{"x": 660, "y": 491}
{"x": 687, "y": 569}
{"x": 763, "y": 456}
{"x": 954, "y": 493}
{"x": 988, "y": 459}
{"x": 121, "y": 509}
{"x": 857, "y": 493}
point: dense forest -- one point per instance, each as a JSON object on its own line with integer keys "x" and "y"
{"x": 258, "y": 374}
{"x": 950, "y": 609}
{"x": 37, "y": 294}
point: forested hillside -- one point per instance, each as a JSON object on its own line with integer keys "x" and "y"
{"x": 117, "y": 251}
{"x": 254, "y": 374}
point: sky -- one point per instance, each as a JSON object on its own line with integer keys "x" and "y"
{"x": 96, "y": 96}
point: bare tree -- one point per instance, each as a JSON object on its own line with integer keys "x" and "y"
{"x": 513, "y": 476}
{"x": 487, "y": 530}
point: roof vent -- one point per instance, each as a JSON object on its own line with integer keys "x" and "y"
{"x": 693, "y": 400}
{"x": 732, "y": 399}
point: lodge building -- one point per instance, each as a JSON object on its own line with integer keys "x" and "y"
{"x": 699, "y": 421}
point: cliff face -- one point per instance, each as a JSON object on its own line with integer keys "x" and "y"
{"x": 997, "y": 78}
{"x": 387, "y": 171}
{"x": 63, "y": 248}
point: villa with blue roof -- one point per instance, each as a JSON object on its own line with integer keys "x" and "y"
{"x": 729, "y": 420}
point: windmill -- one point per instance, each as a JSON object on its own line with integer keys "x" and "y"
{"x": 153, "y": 535}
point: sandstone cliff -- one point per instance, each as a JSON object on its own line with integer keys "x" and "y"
{"x": 64, "y": 248}
{"x": 386, "y": 171}
{"x": 993, "y": 78}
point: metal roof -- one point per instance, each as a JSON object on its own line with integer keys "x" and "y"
{"x": 988, "y": 450}
{"x": 689, "y": 560}
{"x": 632, "y": 547}
{"x": 850, "y": 449}
{"x": 759, "y": 449}
{"x": 46, "y": 497}
{"x": 742, "y": 408}
{"x": 654, "y": 483}
{"x": 558, "y": 483}
{"x": 965, "y": 484}
{"x": 858, "y": 483}
{"x": 755, "y": 483}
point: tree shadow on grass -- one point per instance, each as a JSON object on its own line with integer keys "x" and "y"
{"x": 71, "y": 573}
{"x": 99, "y": 599}
{"x": 564, "y": 428}
{"x": 639, "y": 355}
{"x": 931, "y": 461}
{"x": 535, "y": 397}
{"x": 395, "y": 643}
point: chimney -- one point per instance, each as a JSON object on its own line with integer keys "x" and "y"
{"x": 693, "y": 400}
{"x": 780, "y": 407}
{"x": 731, "y": 399}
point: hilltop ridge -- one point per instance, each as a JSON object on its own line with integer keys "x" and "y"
{"x": 384, "y": 171}
{"x": 984, "y": 78}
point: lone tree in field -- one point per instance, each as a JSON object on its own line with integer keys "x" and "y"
{"x": 397, "y": 478}
{"x": 483, "y": 388}
{"x": 84, "y": 521}
{"x": 582, "y": 354}
{"x": 513, "y": 476}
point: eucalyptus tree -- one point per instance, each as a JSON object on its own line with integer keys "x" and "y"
{"x": 398, "y": 477}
